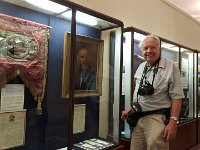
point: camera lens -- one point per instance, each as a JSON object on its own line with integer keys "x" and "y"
{"x": 142, "y": 91}
{"x": 146, "y": 89}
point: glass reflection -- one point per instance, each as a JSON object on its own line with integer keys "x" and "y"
{"x": 170, "y": 51}
{"x": 198, "y": 76}
{"x": 96, "y": 82}
{"x": 131, "y": 55}
{"x": 187, "y": 80}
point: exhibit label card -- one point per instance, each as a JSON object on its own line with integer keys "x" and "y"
{"x": 12, "y": 129}
{"x": 79, "y": 118}
{"x": 12, "y": 97}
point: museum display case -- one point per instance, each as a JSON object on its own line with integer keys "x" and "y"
{"x": 79, "y": 106}
{"x": 189, "y": 80}
{"x": 186, "y": 59}
{"x": 23, "y": 69}
{"x": 91, "y": 79}
{"x": 132, "y": 58}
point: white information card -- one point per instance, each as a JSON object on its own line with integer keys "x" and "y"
{"x": 79, "y": 118}
{"x": 12, "y": 97}
{"x": 12, "y": 129}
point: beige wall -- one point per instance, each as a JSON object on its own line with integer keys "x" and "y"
{"x": 155, "y": 16}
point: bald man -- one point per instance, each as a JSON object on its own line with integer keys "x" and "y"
{"x": 84, "y": 74}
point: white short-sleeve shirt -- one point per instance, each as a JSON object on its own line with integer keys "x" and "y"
{"x": 167, "y": 85}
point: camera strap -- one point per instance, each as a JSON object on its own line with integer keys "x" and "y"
{"x": 155, "y": 70}
{"x": 145, "y": 71}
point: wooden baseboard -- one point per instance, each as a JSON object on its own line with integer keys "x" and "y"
{"x": 125, "y": 142}
{"x": 120, "y": 147}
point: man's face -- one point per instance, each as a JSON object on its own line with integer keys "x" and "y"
{"x": 83, "y": 57}
{"x": 150, "y": 50}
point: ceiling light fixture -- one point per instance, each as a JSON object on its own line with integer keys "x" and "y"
{"x": 198, "y": 5}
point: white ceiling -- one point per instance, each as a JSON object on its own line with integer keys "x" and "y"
{"x": 191, "y": 7}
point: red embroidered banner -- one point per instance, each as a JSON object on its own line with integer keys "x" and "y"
{"x": 23, "y": 52}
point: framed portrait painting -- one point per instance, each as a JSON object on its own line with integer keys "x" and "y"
{"x": 88, "y": 66}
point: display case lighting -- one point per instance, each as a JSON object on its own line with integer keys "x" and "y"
{"x": 63, "y": 11}
{"x": 170, "y": 47}
{"x": 48, "y": 5}
{"x": 81, "y": 18}
{"x": 1, "y": 38}
{"x": 138, "y": 36}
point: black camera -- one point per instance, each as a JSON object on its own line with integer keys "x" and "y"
{"x": 134, "y": 114}
{"x": 146, "y": 89}
{"x": 135, "y": 108}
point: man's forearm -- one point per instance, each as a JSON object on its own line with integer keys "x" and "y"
{"x": 175, "y": 109}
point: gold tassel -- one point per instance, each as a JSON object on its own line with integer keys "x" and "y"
{"x": 39, "y": 107}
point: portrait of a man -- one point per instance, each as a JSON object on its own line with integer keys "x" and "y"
{"x": 85, "y": 74}
{"x": 88, "y": 66}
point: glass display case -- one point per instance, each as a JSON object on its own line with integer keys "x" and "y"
{"x": 24, "y": 40}
{"x": 187, "y": 63}
{"x": 132, "y": 58}
{"x": 91, "y": 79}
{"x": 186, "y": 59}
{"x": 189, "y": 80}
{"x": 170, "y": 51}
{"x": 80, "y": 107}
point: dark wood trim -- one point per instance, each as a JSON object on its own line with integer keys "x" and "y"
{"x": 125, "y": 142}
{"x": 71, "y": 86}
{"x": 198, "y": 131}
{"x": 120, "y": 147}
{"x": 186, "y": 137}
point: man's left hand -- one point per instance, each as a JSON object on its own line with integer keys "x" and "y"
{"x": 170, "y": 130}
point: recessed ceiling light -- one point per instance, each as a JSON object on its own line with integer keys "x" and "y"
{"x": 198, "y": 5}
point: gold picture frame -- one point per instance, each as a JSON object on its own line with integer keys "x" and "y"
{"x": 95, "y": 61}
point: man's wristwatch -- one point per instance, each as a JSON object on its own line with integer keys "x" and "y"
{"x": 175, "y": 119}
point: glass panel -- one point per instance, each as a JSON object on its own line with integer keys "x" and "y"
{"x": 137, "y": 55}
{"x": 198, "y": 98}
{"x": 129, "y": 54}
{"x": 126, "y": 80}
{"x": 195, "y": 55}
{"x": 187, "y": 72}
{"x": 96, "y": 79}
{"x": 170, "y": 51}
{"x": 59, "y": 47}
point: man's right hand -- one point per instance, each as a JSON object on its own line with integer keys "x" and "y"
{"x": 125, "y": 113}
